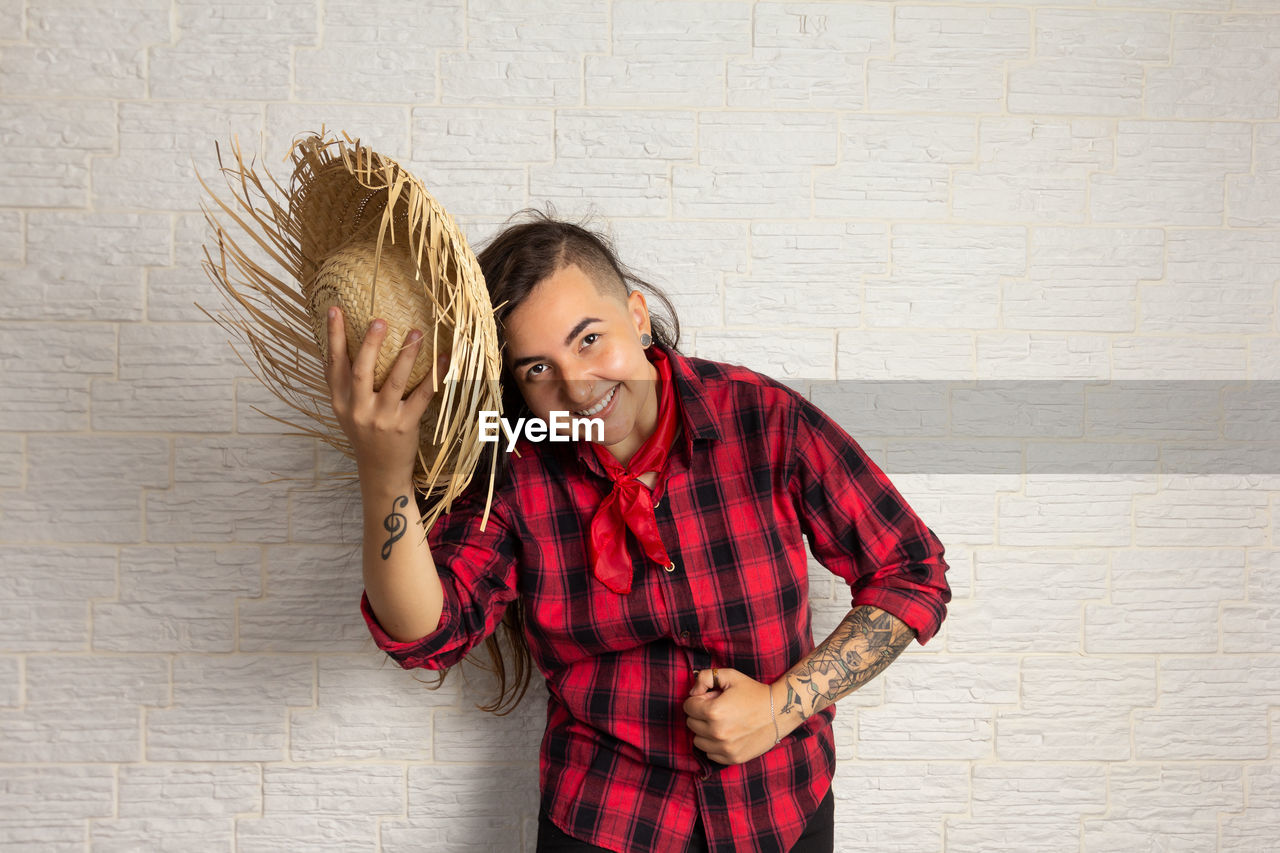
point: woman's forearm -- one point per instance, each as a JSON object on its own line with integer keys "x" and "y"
{"x": 400, "y": 577}
{"x": 865, "y": 642}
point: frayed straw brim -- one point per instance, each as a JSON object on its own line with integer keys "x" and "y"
{"x": 356, "y": 229}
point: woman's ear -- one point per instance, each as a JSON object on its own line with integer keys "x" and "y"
{"x": 639, "y": 310}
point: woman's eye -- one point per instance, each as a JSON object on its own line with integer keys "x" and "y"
{"x": 589, "y": 339}
{"x": 534, "y": 371}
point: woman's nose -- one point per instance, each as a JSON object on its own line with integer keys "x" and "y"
{"x": 578, "y": 390}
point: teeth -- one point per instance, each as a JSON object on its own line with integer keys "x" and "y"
{"x": 586, "y": 413}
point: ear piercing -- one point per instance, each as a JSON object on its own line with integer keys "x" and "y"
{"x": 645, "y": 340}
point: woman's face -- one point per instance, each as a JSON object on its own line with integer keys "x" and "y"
{"x": 570, "y": 347}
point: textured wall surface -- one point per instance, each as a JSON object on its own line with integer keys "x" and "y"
{"x": 1047, "y": 191}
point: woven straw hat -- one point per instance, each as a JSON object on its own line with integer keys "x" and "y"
{"x": 355, "y": 229}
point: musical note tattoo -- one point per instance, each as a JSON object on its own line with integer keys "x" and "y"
{"x": 395, "y": 523}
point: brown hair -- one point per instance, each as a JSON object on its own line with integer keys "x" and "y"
{"x": 514, "y": 262}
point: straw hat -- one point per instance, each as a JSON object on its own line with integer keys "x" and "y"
{"x": 356, "y": 229}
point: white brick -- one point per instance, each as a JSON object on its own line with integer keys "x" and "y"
{"x": 1037, "y": 792}
{"x": 162, "y": 835}
{"x": 780, "y": 354}
{"x": 643, "y": 81}
{"x": 1249, "y": 200}
{"x": 12, "y": 461}
{"x": 1154, "y": 410}
{"x": 738, "y": 192}
{"x": 1212, "y": 510}
{"x": 613, "y": 187}
{"x": 326, "y": 513}
{"x": 47, "y": 165}
{"x": 470, "y": 136}
{"x": 1036, "y": 356}
{"x": 671, "y": 30}
{"x": 790, "y": 78}
{"x": 218, "y": 683}
{"x": 312, "y": 602}
{"x": 1192, "y": 298}
{"x": 956, "y": 300}
{"x": 1254, "y": 626}
{"x": 687, "y": 260}
{"x": 460, "y": 793}
{"x": 89, "y": 265}
{"x": 618, "y": 134}
{"x": 44, "y": 734}
{"x": 382, "y": 128}
{"x": 912, "y": 85}
{"x": 188, "y": 790}
{"x": 1094, "y": 34}
{"x": 161, "y": 144}
{"x": 1074, "y": 85}
{"x": 97, "y": 480}
{"x": 876, "y": 798}
{"x": 951, "y": 705}
{"x": 58, "y": 793}
{"x": 1018, "y": 409}
{"x": 221, "y": 491}
{"x": 173, "y": 377}
{"x": 333, "y": 790}
{"x": 870, "y": 409}
{"x": 1072, "y": 510}
{"x": 471, "y": 736}
{"x": 12, "y": 19}
{"x": 10, "y": 682}
{"x": 511, "y": 78}
{"x": 476, "y": 190}
{"x": 1083, "y": 279}
{"x": 1011, "y": 835}
{"x": 63, "y": 835}
{"x": 379, "y": 51}
{"x": 360, "y": 733}
{"x": 177, "y": 599}
{"x": 233, "y": 51}
{"x": 1181, "y": 357}
{"x": 961, "y": 34}
{"x": 86, "y": 48}
{"x": 1220, "y": 68}
{"x": 12, "y": 232}
{"x": 872, "y": 354}
{"x": 1167, "y": 803}
{"x": 1254, "y": 830}
{"x": 172, "y": 292}
{"x": 514, "y": 25}
{"x": 289, "y": 833}
{"x": 822, "y": 29}
{"x": 1028, "y": 601}
{"x": 1074, "y": 710}
{"x": 236, "y": 734}
{"x": 1032, "y": 170}
{"x": 46, "y": 370}
{"x": 966, "y": 505}
{"x": 44, "y": 592}
{"x": 472, "y": 835}
{"x": 769, "y": 139}
{"x": 97, "y": 680}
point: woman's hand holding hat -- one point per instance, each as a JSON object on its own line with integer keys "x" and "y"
{"x": 382, "y": 425}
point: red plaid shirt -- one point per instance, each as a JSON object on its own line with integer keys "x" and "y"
{"x": 755, "y": 469}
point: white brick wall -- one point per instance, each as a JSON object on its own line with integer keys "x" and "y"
{"x": 1049, "y": 191}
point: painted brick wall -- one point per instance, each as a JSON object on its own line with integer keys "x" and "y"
{"x": 1048, "y": 191}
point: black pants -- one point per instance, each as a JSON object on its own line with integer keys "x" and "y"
{"x": 819, "y": 834}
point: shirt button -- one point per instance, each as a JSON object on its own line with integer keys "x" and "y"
{"x": 706, "y": 773}
{"x": 684, "y": 635}
{"x": 670, "y": 567}
{"x": 655, "y": 503}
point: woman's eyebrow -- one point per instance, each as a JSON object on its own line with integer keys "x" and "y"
{"x": 568, "y": 339}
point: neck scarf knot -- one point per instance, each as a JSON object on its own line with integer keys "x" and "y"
{"x": 630, "y": 505}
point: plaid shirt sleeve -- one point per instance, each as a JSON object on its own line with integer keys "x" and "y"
{"x": 477, "y": 570}
{"x": 862, "y": 529}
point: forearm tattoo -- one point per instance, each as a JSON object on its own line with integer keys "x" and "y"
{"x": 395, "y": 523}
{"x": 862, "y": 645}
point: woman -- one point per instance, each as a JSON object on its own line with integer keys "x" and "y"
{"x": 660, "y": 568}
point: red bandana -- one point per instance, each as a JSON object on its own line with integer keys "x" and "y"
{"x": 630, "y": 504}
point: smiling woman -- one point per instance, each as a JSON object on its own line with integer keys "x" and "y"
{"x": 657, "y": 575}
